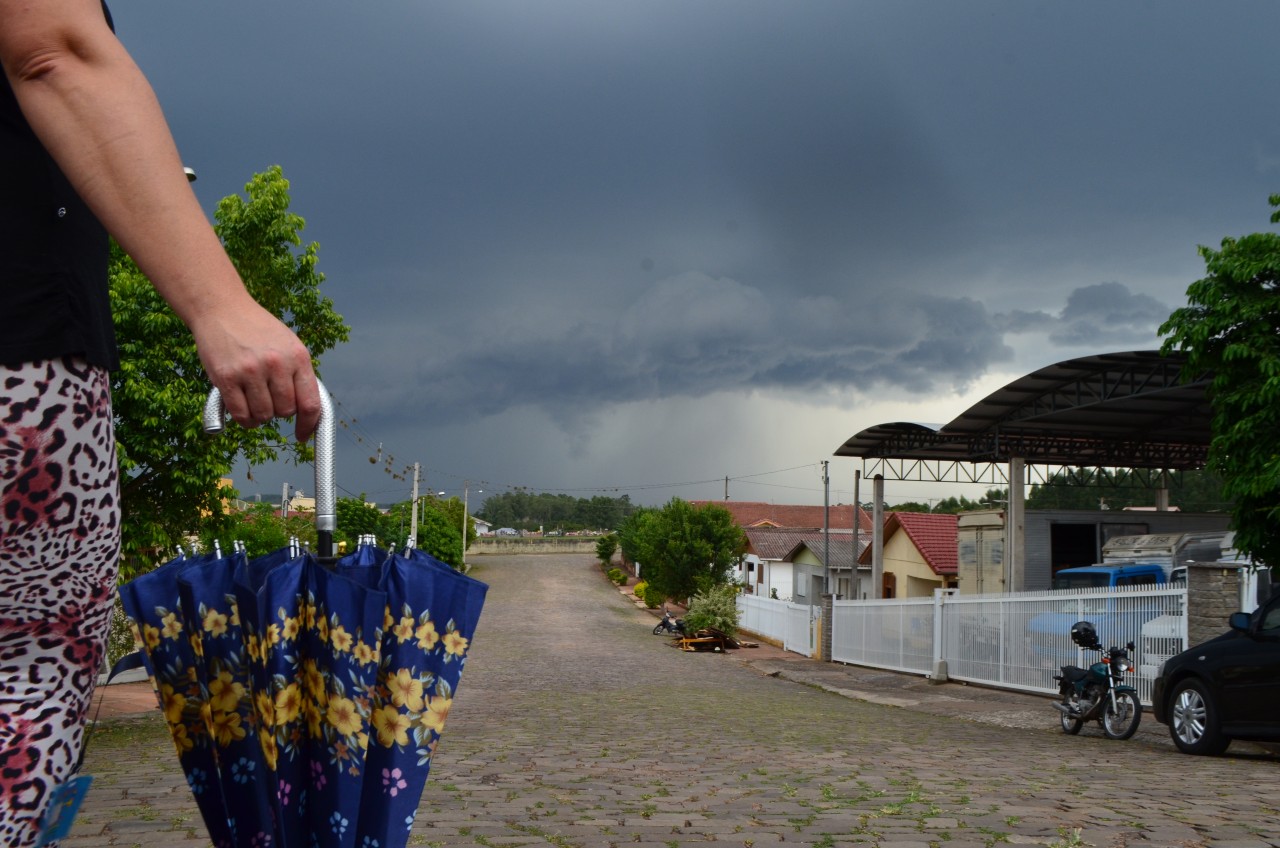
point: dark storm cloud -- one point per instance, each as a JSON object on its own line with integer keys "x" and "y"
{"x": 571, "y": 204}
{"x": 694, "y": 335}
{"x": 1105, "y": 316}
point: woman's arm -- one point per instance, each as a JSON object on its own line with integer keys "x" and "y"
{"x": 98, "y": 117}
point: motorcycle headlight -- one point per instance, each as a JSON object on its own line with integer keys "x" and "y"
{"x": 1123, "y": 665}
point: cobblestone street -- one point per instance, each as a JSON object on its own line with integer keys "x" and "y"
{"x": 574, "y": 726}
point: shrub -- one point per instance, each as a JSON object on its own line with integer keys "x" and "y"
{"x": 638, "y": 589}
{"x": 716, "y": 607}
{"x": 652, "y": 597}
{"x": 617, "y": 575}
{"x": 606, "y": 546}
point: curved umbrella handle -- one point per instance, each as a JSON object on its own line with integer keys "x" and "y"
{"x": 214, "y": 419}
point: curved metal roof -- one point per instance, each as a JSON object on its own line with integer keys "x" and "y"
{"x": 1121, "y": 410}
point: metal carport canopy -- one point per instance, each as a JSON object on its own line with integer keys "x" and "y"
{"x": 1110, "y": 410}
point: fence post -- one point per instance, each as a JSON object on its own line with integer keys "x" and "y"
{"x": 828, "y": 607}
{"x": 939, "y": 674}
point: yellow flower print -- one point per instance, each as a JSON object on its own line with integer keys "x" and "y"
{"x": 455, "y": 643}
{"x": 340, "y": 639}
{"x": 314, "y": 718}
{"x": 343, "y": 717}
{"x": 197, "y": 645}
{"x": 404, "y": 630}
{"x": 253, "y": 647}
{"x": 270, "y": 752}
{"x": 172, "y": 627}
{"x": 427, "y": 636}
{"x": 173, "y": 703}
{"x": 290, "y": 628}
{"x": 364, "y": 653}
{"x": 313, "y": 680}
{"x": 226, "y": 727}
{"x": 322, "y": 628}
{"x": 437, "y": 711}
{"x": 392, "y": 726}
{"x": 235, "y": 615}
{"x": 406, "y": 690}
{"x": 137, "y": 636}
{"x": 181, "y": 740}
{"x": 151, "y": 636}
{"x": 266, "y": 708}
{"x": 225, "y": 693}
{"x": 273, "y": 635}
{"x": 215, "y": 623}
{"x": 387, "y": 620}
{"x": 288, "y": 704}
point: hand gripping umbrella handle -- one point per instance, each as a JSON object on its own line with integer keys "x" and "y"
{"x": 215, "y": 417}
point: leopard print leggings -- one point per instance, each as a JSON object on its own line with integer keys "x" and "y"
{"x": 59, "y": 551}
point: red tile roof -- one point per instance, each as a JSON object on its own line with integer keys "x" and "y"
{"x": 934, "y": 535}
{"x": 760, "y": 514}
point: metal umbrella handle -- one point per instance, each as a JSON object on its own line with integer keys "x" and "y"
{"x": 215, "y": 418}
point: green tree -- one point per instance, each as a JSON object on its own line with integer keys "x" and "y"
{"x": 606, "y": 547}
{"x": 439, "y": 527}
{"x": 356, "y": 518}
{"x": 260, "y": 528}
{"x": 1193, "y": 491}
{"x": 440, "y": 537}
{"x": 1231, "y": 328}
{"x": 684, "y": 549}
{"x": 170, "y": 469}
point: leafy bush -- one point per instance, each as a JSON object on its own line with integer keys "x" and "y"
{"x": 617, "y": 575}
{"x": 715, "y": 607}
{"x": 606, "y": 547}
{"x": 638, "y": 589}
{"x": 652, "y": 597}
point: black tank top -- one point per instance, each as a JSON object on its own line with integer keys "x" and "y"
{"x": 53, "y": 255}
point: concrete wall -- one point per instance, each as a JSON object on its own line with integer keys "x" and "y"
{"x": 518, "y": 545}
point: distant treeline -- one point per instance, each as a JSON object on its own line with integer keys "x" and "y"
{"x": 529, "y": 511}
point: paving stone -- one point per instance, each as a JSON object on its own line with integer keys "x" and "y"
{"x": 574, "y": 726}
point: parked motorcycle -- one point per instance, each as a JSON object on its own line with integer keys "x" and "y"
{"x": 669, "y": 624}
{"x": 1099, "y": 692}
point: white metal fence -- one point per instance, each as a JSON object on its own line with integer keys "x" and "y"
{"x": 794, "y": 625}
{"x": 1015, "y": 641}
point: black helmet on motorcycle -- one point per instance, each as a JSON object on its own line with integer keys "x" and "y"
{"x": 1083, "y": 634}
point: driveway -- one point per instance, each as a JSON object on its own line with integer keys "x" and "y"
{"x": 575, "y": 726}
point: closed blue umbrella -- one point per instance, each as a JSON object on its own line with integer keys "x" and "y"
{"x": 308, "y": 723}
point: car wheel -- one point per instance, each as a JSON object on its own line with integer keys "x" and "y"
{"x": 1193, "y": 720}
{"x": 1121, "y": 722}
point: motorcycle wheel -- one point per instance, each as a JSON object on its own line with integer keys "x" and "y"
{"x": 1070, "y": 726}
{"x": 658, "y": 628}
{"x": 1121, "y": 720}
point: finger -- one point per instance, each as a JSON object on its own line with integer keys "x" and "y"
{"x": 306, "y": 392}
{"x": 261, "y": 405}
{"x": 234, "y": 403}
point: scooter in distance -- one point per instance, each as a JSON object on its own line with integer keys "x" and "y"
{"x": 674, "y": 626}
{"x": 1098, "y": 693}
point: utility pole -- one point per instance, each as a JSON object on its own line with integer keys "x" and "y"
{"x": 726, "y": 487}
{"x": 857, "y": 533}
{"x": 284, "y": 501}
{"x": 413, "y": 522}
{"x": 826, "y": 527}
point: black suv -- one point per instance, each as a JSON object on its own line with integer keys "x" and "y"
{"x": 1227, "y": 688}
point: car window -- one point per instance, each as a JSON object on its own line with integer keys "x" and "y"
{"x": 1271, "y": 621}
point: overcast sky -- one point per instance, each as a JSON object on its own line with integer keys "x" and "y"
{"x": 605, "y": 248}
